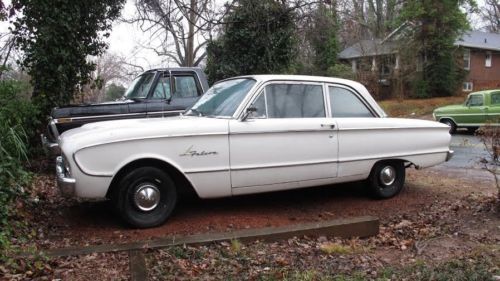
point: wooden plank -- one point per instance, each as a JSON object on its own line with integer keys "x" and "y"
{"x": 345, "y": 228}
{"x": 137, "y": 265}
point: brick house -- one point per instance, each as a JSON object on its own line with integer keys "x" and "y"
{"x": 481, "y": 59}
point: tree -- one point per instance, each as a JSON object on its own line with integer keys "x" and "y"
{"x": 437, "y": 25}
{"x": 180, "y": 26}
{"x": 258, "y": 36}
{"x": 114, "y": 91}
{"x": 367, "y": 19}
{"x": 323, "y": 37}
{"x": 490, "y": 13}
{"x": 108, "y": 67}
{"x": 57, "y": 37}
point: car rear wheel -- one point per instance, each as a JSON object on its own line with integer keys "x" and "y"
{"x": 451, "y": 124}
{"x": 387, "y": 179}
{"x": 146, "y": 198}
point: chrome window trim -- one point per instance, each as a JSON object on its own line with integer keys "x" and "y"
{"x": 356, "y": 94}
{"x": 253, "y": 95}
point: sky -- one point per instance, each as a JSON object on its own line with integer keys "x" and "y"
{"x": 126, "y": 40}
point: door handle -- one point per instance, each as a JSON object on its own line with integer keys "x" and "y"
{"x": 331, "y": 126}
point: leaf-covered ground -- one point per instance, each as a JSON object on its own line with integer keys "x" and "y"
{"x": 459, "y": 240}
{"x": 443, "y": 222}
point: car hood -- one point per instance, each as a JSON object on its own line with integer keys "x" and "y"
{"x": 449, "y": 108}
{"x": 120, "y": 130}
{"x": 90, "y": 109}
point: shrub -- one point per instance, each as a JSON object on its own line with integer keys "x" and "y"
{"x": 18, "y": 120}
{"x": 490, "y": 137}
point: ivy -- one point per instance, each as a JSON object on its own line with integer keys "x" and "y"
{"x": 57, "y": 37}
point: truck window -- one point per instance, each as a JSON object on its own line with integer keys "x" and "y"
{"x": 140, "y": 86}
{"x": 186, "y": 87}
{"x": 495, "y": 98}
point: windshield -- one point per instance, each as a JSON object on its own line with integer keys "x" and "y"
{"x": 222, "y": 99}
{"x": 140, "y": 86}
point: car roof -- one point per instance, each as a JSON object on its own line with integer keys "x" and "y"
{"x": 358, "y": 87}
{"x": 284, "y": 77}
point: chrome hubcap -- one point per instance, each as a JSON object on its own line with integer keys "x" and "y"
{"x": 387, "y": 175}
{"x": 146, "y": 197}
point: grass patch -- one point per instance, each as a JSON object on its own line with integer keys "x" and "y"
{"x": 335, "y": 248}
{"x": 417, "y": 107}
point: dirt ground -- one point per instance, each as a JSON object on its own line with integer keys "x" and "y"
{"x": 442, "y": 214}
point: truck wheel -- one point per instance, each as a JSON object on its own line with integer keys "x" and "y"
{"x": 387, "y": 179}
{"x": 453, "y": 126}
{"x": 146, "y": 198}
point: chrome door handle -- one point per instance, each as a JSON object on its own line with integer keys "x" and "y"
{"x": 331, "y": 126}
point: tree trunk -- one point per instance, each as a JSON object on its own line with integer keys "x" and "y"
{"x": 190, "y": 40}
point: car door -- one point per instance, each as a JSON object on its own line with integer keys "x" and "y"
{"x": 173, "y": 93}
{"x": 474, "y": 112}
{"x": 493, "y": 111}
{"x": 357, "y": 125}
{"x": 187, "y": 90}
{"x": 288, "y": 139}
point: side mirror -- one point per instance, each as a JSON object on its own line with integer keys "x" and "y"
{"x": 249, "y": 111}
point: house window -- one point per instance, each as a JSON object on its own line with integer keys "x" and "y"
{"x": 467, "y": 86}
{"x": 487, "y": 61}
{"x": 467, "y": 59}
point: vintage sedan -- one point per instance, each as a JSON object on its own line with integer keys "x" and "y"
{"x": 479, "y": 109}
{"x": 248, "y": 135}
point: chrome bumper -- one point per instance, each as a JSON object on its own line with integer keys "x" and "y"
{"x": 51, "y": 147}
{"x": 449, "y": 155}
{"x": 48, "y": 144}
{"x": 66, "y": 184}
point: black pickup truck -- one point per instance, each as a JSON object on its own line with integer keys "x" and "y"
{"x": 154, "y": 93}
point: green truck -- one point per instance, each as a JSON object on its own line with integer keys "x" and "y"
{"x": 479, "y": 108}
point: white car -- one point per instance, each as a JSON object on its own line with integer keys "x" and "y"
{"x": 248, "y": 135}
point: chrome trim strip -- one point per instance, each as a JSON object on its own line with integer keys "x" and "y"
{"x": 390, "y": 128}
{"x": 155, "y": 137}
{"x": 134, "y": 139}
{"x": 282, "y": 131}
{"x": 283, "y": 165}
{"x": 97, "y": 116}
{"x": 467, "y": 114}
{"x": 283, "y": 182}
{"x": 207, "y": 171}
{"x": 331, "y": 162}
{"x": 166, "y": 111}
{"x": 391, "y": 157}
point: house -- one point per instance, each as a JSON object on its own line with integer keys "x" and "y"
{"x": 481, "y": 59}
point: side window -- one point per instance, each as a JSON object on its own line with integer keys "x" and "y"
{"x": 294, "y": 101}
{"x": 475, "y": 100}
{"x": 495, "y": 98}
{"x": 345, "y": 103}
{"x": 162, "y": 89}
{"x": 186, "y": 87}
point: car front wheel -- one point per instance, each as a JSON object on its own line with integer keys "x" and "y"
{"x": 146, "y": 198}
{"x": 387, "y": 179}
